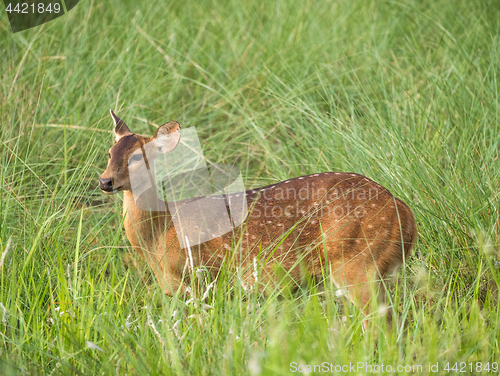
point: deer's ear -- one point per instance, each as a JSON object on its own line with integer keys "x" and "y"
{"x": 120, "y": 129}
{"x": 167, "y": 136}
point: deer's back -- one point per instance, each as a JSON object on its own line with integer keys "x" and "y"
{"x": 349, "y": 215}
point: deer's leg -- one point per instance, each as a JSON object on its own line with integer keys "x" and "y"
{"x": 171, "y": 278}
{"x": 171, "y": 283}
{"x": 364, "y": 289}
{"x": 167, "y": 273}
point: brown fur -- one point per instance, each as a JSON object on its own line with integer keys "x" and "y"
{"x": 365, "y": 231}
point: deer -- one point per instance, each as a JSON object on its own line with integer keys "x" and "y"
{"x": 341, "y": 222}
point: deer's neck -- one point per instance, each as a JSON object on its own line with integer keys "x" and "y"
{"x": 145, "y": 216}
{"x": 148, "y": 201}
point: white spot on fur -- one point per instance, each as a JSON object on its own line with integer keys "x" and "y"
{"x": 340, "y": 292}
{"x": 226, "y": 246}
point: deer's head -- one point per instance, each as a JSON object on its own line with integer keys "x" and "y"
{"x": 132, "y": 151}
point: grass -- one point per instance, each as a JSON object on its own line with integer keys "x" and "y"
{"x": 404, "y": 92}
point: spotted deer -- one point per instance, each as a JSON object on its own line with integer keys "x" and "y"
{"x": 343, "y": 223}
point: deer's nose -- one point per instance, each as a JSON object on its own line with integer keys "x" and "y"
{"x": 106, "y": 184}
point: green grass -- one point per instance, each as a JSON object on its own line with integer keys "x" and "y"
{"x": 405, "y": 92}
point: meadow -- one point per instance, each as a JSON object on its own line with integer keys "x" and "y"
{"x": 405, "y": 92}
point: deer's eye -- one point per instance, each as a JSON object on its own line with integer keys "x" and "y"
{"x": 135, "y": 158}
{"x": 109, "y": 155}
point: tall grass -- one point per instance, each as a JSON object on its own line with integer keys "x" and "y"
{"x": 405, "y": 92}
